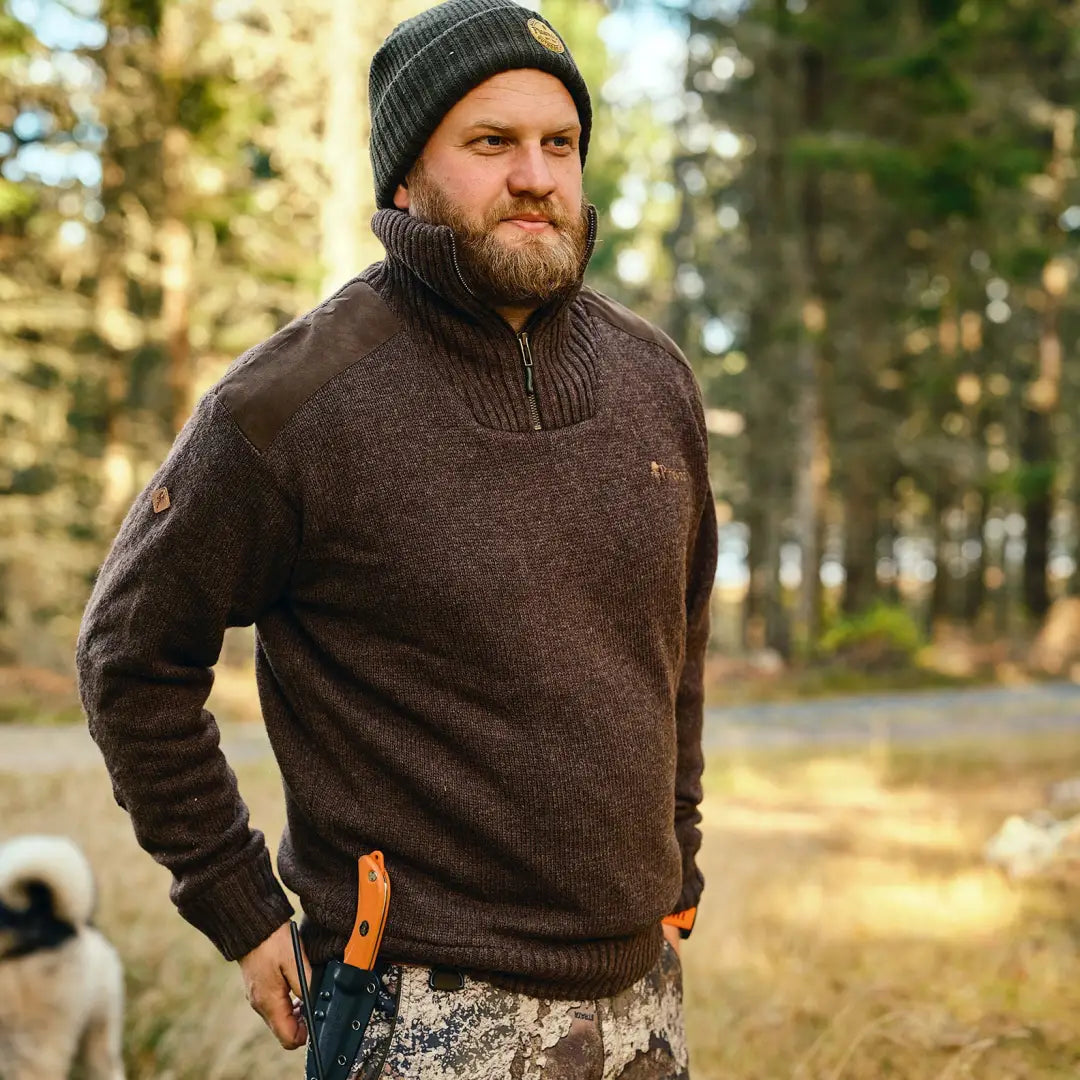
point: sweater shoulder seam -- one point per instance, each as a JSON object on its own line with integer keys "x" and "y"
{"x": 622, "y": 318}
{"x": 262, "y": 463}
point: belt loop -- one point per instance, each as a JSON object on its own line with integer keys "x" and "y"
{"x": 444, "y": 978}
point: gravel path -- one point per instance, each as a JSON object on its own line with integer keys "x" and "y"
{"x": 43, "y": 749}
{"x": 908, "y": 718}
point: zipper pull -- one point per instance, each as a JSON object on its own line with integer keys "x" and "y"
{"x": 527, "y": 360}
{"x": 530, "y": 391}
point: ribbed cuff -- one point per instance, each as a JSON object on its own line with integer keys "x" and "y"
{"x": 241, "y": 911}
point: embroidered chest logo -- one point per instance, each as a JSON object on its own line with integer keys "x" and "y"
{"x": 160, "y": 500}
{"x": 546, "y": 36}
{"x": 663, "y": 473}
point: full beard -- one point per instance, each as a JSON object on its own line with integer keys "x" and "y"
{"x": 528, "y": 272}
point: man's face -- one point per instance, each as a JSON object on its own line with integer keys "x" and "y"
{"x": 503, "y": 170}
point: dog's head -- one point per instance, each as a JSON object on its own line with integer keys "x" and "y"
{"x": 34, "y": 927}
{"x": 46, "y": 893}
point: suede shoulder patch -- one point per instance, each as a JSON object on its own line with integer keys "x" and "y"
{"x": 265, "y": 387}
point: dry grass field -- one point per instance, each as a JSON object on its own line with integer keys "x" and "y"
{"x": 850, "y": 929}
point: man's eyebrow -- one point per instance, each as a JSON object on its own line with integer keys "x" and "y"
{"x": 502, "y": 129}
{"x": 488, "y": 125}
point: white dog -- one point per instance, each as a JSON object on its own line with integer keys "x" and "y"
{"x": 61, "y": 982}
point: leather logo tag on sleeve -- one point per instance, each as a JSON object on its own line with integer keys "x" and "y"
{"x": 160, "y": 500}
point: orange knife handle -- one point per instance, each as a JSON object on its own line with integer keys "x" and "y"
{"x": 684, "y": 920}
{"x": 372, "y": 904}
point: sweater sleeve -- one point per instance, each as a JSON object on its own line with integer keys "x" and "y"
{"x": 209, "y": 544}
{"x": 690, "y": 700}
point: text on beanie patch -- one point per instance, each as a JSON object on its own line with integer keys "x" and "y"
{"x": 546, "y": 36}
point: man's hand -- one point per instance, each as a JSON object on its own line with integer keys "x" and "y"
{"x": 673, "y": 936}
{"x": 269, "y": 973}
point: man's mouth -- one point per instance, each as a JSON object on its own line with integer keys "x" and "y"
{"x": 533, "y": 223}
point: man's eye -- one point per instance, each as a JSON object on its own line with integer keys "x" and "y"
{"x": 491, "y": 140}
{"x": 562, "y": 142}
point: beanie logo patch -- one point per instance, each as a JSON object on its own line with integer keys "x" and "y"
{"x": 546, "y": 36}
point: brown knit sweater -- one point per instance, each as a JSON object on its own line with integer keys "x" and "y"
{"x": 481, "y": 618}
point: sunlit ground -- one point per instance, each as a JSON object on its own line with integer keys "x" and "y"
{"x": 852, "y": 930}
{"x": 849, "y": 930}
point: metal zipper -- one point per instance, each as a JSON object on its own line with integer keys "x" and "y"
{"x": 530, "y": 389}
{"x": 457, "y": 267}
{"x": 590, "y": 241}
{"x": 523, "y": 337}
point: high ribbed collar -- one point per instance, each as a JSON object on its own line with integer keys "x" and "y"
{"x": 473, "y": 344}
{"x": 429, "y": 252}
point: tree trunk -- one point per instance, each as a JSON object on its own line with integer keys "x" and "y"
{"x": 114, "y": 322}
{"x": 975, "y": 584}
{"x": 766, "y": 615}
{"x": 772, "y": 337}
{"x": 1037, "y": 449}
{"x": 811, "y": 461}
{"x": 941, "y": 591}
{"x": 886, "y": 549}
{"x": 1038, "y": 443}
{"x": 174, "y": 236}
{"x": 860, "y": 540}
{"x": 349, "y": 201}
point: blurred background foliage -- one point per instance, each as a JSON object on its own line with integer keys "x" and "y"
{"x": 859, "y": 218}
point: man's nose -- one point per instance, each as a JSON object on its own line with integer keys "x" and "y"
{"x": 531, "y": 174}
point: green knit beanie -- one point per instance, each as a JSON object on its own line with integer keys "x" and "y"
{"x": 430, "y": 62}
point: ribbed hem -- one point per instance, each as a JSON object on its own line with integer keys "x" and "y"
{"x": 587, "y": 969}
{"x": 241, "y": 911}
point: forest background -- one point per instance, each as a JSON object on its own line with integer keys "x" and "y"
{"x": 859, "y": 219}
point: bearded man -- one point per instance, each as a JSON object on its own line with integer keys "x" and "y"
{"x": 465, "y": 503}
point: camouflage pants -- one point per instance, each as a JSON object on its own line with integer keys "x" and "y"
{"x": 482, "y": 1033}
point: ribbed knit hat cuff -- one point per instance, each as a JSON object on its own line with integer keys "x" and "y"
{"x": 408, "y": 106}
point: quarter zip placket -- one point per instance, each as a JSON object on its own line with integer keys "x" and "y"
{"x": 523, "y": 337}
{"x": 530, "y": 386}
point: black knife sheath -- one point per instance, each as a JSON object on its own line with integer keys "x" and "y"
{"x": 352, "y": 996}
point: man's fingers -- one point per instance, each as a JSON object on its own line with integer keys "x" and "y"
{"x": 269, "y": 973}
{"x": 275, "y": 1007}
{"x": 289, "y": 971}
